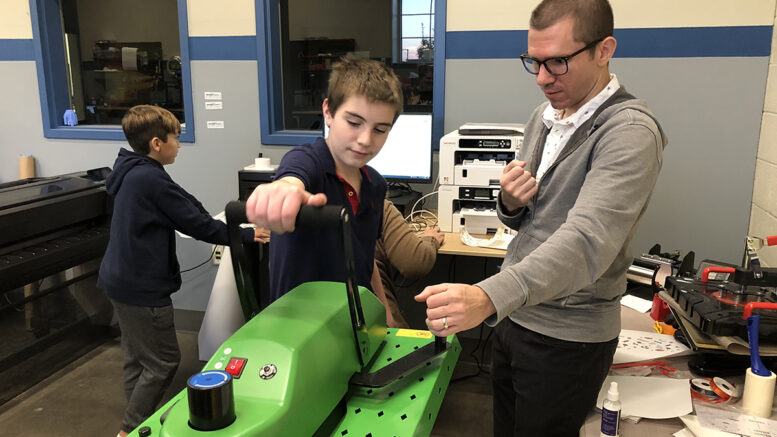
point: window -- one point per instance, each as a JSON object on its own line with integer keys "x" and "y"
{"x": 99, "y": 58}
{"x": 416, "y": 30}
{"x": 303, "y": 38}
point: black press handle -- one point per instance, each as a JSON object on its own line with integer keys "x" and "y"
{"x": 327, "y": 216}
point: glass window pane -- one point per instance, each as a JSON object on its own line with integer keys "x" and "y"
{"x": 307, "y": 66}
{"x": 313, "y": 45}
{"x": 414, "y": 49}
{"x": 417, "y": 26}
{"x": 318, "y": 34}
{"x": 410, "y": 49}
{"x": 114, "y": 63}
{"x": 417, "y": 6}
{"x": 417, "y": 78}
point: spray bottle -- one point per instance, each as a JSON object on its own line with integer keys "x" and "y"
{"x": 611, "y": 412}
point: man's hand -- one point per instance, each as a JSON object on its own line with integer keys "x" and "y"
{"x": 434, "y": 232}
{"x": 275, "y": 206}
{"x": 462, "y": 306}
{"x": 518, "y": 185}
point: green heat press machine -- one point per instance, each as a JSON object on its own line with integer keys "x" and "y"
{"x": 319, "y": 361}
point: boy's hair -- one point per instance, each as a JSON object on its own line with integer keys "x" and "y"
{"x": 593, "y": 18}
{"x": 144, "y": 122}
{"x": 371, "y": 79}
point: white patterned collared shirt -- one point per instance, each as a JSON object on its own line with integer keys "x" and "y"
{"x": 562, "y": 130}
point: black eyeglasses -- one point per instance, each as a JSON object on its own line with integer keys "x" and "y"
{"x": 555, "y": 66}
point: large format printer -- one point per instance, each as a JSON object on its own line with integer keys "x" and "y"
{"x": 471, "y": 162}
{"x": 53, "y": 233}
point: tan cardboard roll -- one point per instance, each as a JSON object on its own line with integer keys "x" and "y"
{"x": 759, "y": 394}
{"x": 26, "y": 167}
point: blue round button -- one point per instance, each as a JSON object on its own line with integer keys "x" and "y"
{"x": 209, "y": 379}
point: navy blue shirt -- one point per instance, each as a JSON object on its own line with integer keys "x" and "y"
{"x": 140, "y": 266}
{"x": 308, "y": 255}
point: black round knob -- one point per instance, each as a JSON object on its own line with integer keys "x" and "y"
{"x": 211, "y": 400}
{"x": 144, "y": 431}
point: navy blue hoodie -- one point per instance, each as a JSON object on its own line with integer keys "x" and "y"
{"x": 140, "y": 266}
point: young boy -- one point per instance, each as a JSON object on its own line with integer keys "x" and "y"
{"x": 365, "y": 98}
{"x": 140, "y": 269}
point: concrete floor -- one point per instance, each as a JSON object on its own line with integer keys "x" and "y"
{"x": 85, "y": 398}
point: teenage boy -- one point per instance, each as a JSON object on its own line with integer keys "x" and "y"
{"x": 364, "y": 100}
{"x": 140, "y": 269}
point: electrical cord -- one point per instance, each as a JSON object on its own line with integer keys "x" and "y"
{"x": 473, "y": 354}
{"x": 213, "y": 252}
{"x": 396, "y": 189}
{"x": 421, "y": 222}
{"x": 412, "y": 210}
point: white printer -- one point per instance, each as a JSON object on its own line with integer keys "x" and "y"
{"x": 471, "y": 162}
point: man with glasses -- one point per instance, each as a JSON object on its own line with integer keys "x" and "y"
{"x": 590, "y": 158}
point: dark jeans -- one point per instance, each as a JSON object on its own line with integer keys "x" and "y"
{"x": 545, "y": 386}
{"x": 151, "y": 357}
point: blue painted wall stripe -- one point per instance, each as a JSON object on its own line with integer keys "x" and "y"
{"x": 17, "y": 50}
{"x": 222, "y": 48}
{"x": 485, "y": 44}
{"x": 632, "y": 43}
{"x": 506, "y": 44}
{"x": 687, "y": 42}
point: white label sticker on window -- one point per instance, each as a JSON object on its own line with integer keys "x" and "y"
{"x": 212, "y": 95}
{"x": 214, "y": 105}
{"x": 216, "y": 124}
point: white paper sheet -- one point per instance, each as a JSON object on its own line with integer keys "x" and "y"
{"x": 734, "y": 422}
{"x": 684, "y": 433}
{"x": 651, "y": 398}
{"x": 636, "y": 346}
{"x": 500, "y": 240}
{"x": 636, "y": 303}
{"x": 692, "y": 422}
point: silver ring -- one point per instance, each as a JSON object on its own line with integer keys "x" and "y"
{"x": 444, "y": 323}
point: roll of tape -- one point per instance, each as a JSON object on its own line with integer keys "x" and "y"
{"x": 703, "y": 388}
{"x": 724, "y": 389}
{"x": 759, "y": 394}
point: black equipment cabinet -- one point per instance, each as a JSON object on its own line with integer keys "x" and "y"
{"x": 53, "y": 233}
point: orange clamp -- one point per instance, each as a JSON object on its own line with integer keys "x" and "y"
{"x": 757, "y": 306}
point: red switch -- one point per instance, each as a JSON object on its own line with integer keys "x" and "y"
{"x": 235, "y": 366}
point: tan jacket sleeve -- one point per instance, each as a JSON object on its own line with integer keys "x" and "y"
{"x": 411, "y": 255}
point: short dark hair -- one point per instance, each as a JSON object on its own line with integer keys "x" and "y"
{"x": 144, "y": 122}
{"x": 593, "y": 18}
{"x": 371, "y": 79}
